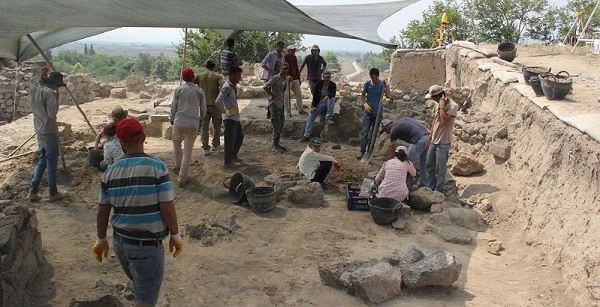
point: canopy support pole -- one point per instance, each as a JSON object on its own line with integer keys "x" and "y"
{"x": 185, "y": 42}
{"x": 41, "y": 52}
{"x": 16, "y": 92}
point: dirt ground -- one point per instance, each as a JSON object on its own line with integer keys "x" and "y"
{"x": 272, "y": 258}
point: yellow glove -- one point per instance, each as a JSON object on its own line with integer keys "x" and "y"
{"x": 231, "y": 112}
{"x": 367, "y": 107}
{"x": 99, "y": 249}
{"x": 175, "y": 243}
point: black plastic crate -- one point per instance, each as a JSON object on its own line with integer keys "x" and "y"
{"x": 356, "y": 202}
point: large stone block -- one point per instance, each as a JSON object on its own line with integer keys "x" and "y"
{"x": 309, "y": 195}
{"x": 440, "y": 268}
{"x": 468, "y": 218}
{"x": 167, "y": 131}
{"x": 374, "y": 283}
{"x": 466, "y": 165}
{"x": 499, "y": 150}
{"x": 423, "y": 198}
{"x": 118, "y": 93}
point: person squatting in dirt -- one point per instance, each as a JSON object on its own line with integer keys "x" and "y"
{"x": 316, "y": 166}
{"x": 117, "y": 114}
{"x": 415, "y": 133}
{"x": 392, "y": 177}
{"x": 275, "y": 88}
{"x": 139, "y": 190}
{"x": 323, "y": 103}
{"x": 187, "y": 107}
{"x": 373, "y": 91}
{"x": 44, "y": 105}
{"x": 440, "y": 137}
{"x": 227, "y": 103}
{"x": 210, "y": 82}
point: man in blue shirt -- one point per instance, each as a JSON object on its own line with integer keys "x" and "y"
{"x": 373, "y": 90}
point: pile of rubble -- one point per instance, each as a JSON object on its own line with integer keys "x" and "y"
{"x": 222, "y": 225}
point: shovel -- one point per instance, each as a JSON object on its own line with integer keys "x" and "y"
{"x": 373, "y": 134}
{"x": 63, "y": 176}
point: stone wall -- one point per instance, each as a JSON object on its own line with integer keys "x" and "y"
{"x": 21, "y": 254}
{"x": 417, "y": 70}
{"x": 15, "y": 81}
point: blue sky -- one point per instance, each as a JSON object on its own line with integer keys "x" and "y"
{"x": 387, "y": 29}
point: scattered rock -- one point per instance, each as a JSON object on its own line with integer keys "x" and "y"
{"x": 399, "y": 224}
{"x": 467, "y": 218}
{"x": 440, "y": 268}
{"x": 225, "y": 220}
{"x": 145, "y": 95}
{"x": 466, "y": 165}
{"x": 195, "y": 231}
{"x": 310, "y": 195}
{"x": 336, "y": 146}
{"x": 103, "y": 294}
{"x": 484, "y": 205}
{"x": 494, "y": 247}
{"x": 374, "y": 283}
{"x": 502, "y": 133}
{"x": 330, "y": 274}
{"x": 167, "y": 131}
{"x": 436, "y": 208}
{"x": 500, "y": 151}
{"x": 406, "y": 98}
{"x": 455, "y": 234}
{"x": 118, "y": 93}
{"x": 423, "y": 198}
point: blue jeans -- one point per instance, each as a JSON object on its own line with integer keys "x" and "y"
{"x": 330, "y": 107}
{"x": 437, "y": 166}
{"x": 144, "y": 265}
{"x": 310, "y": 122}
{"x": 417, "y": 152}
{"x": 48, "y": 159}
{"x": 367, "y": 125}
{"x": 311, "y": 85}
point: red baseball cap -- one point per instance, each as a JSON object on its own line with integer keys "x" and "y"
{"x": 129, "y": 130}
{"x": 187, "y": 74}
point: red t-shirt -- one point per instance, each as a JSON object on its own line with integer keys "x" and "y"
{"x": 293, "y": 63}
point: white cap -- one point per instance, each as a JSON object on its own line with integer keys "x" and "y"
{"x": 401, "y": 148}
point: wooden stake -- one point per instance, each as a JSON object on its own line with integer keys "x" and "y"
{"x": 33, "y": 151}
{"x": 14, "y": 151}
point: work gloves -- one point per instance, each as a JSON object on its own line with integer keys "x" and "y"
{"x": 100, "y": 249}
{"x": 337, "y": 165}
{"x": 231, "y": 112}
{"x": 367, "y": 108}
{"x": 175, "y": 243}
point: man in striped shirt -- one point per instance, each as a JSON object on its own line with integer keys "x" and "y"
{"x": 228, "y": 58}
{"x": 138, "y": 188}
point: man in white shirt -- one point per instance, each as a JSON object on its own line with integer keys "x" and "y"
{"x": 314, "y": 165}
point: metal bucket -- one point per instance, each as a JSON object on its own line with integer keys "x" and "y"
{"x": 556, "y": 87}
{"x": 238, "y": 184}
{"x": 261, "y": 199}
{"x": 384, "y": 210}
{"x": 507, "y": 51}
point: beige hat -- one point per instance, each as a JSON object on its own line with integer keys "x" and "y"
{"x": 291, "y": 47}
{"x": 327, "y": 73}
{"x": 118, "y": 113}
{"x": 315, "y": 47}
{"x": 434, "y": 90}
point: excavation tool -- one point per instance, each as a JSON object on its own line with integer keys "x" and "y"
{"x": 366, "y": 158}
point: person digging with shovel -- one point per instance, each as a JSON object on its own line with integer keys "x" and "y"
{"x": 371, "y": 97}
{"x": 44, "y": 105}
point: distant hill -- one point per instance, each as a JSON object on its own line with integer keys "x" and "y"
{"x": 123, "y": 49}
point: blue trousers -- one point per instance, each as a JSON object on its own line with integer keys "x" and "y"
{"x": 48, "y": 160}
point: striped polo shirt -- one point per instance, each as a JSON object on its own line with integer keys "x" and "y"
{"x": 134, "y": 187}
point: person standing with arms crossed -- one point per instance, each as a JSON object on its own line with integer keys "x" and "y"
{"x": 227, "y": 103}
{"x": 210, "y": 82}
{"x": 138, "y": 188}
{"x": 275, "y": 88}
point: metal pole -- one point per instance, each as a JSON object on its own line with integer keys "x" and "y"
{"x": 184, "y": 55}
{"x": 15, "y": 96}
{"x": 587, "y": 23}
{"x": 41, "y": 52}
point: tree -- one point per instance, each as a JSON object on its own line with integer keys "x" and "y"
{"x": 91, "y": 51}
{"x": 144, "y": 64}
{"x": 543, "y": 27}
{"x": 420, "y": 34}
{"x": 251, "y": 46}
{"x": 48, "y": 54}
{"x": 567, "y": 16}
{"x": 332, "y": 60}
{"x": 506, "y": 20}
{"x": 85, "y": 49}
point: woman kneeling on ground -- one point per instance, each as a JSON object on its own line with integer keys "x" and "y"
{"x": 391, "y": 178}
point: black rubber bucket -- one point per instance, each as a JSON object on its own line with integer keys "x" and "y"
{"x": 384, "y": 210}
{"x": 507, "y": 51}
{"x": 533, "y": 71}
{"x": 556, "y": 87}
{"x": 536, "y": 85}
{"x": 238, "y": 184}
{"x": 95, "y": 157}
{"x": 261, "y": 199}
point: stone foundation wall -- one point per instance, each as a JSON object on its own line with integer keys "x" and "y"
{"x": 21, "y": 254}
{"x": 16, "y": 80}
{"x": 417, "y": 70}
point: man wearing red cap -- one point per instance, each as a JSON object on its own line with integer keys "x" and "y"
{"x": 188, "y": 106}
{"x": 138, "y": 188}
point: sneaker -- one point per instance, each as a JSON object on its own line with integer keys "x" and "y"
{"x": 275, "y": 148}
{"x": 216, "y": 148}
{"x": 304, "y": 139}
{"x": 56, "y": 197}
{"x": 237, "y": 159}
{"x": 329, "y": 121}
{"x": 279, "y": 148}
{"x": 360, "y": 155}
{"x": 207, "y": 152}
{"x": 33, "y": 197}
{"x": 232, "y": 164}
